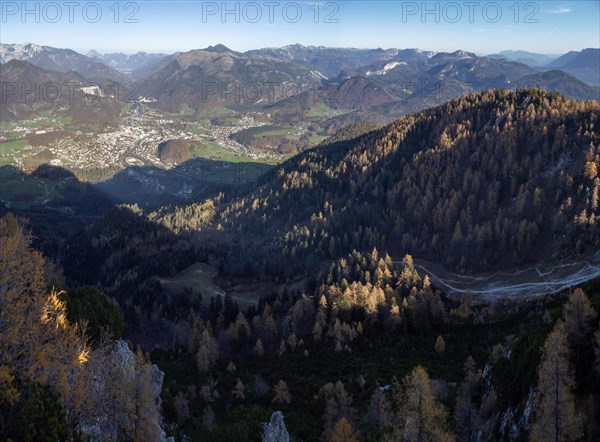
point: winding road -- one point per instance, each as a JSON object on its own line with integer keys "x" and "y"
{"x": 529, "y": 282}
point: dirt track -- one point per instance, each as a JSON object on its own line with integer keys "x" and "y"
{"x": 531, "y": 281}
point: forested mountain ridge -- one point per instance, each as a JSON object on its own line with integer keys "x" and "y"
{"x": 491, "y": 179}
{"x": 487, "y": 181}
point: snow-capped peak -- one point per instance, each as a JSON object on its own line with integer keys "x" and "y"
{"x": 19, "y": 51}
{"x": 388, "y": 67}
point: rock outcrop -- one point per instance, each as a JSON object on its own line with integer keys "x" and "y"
{"x": 274, "y": 430}
{"x": 117, "y": 377}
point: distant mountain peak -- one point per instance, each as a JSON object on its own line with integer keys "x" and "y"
{"x": 20, "y": 51}
{"x": 463, "y": 54}
{"x": 94, "y": 54}
{"x": 456, "y": 55}
{"x": 294, "y": 46}
{"x": 218, "y": 48}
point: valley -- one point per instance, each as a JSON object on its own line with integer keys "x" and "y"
{"x": 125, "y": 157}
{"x": 135, "y": 139}
{"x": 375, "y": 230}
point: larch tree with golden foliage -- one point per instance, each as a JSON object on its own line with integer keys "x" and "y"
{"x": 35, "y": 337}
{"x": 208, "y": 352}
{"x": 8, "y": 393}
{"x": 282, "y": 393}
{"x": 343, "y": 432}
{"x": 22, "y": 296}
{"x": 338, "y": 405}
{"x": 103, "y": 386}
{"x": 425, "y": 417}
{"x": 147, "y": 414}
{"x": 556, "y": 419}
{"x": 440, "y": 345}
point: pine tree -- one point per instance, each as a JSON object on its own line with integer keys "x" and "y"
{"x": 379, "y": 414}
{"x": 258, "y": 348}
{"x": 440, "y": 345}
{"x": 597, "y": 350}
{"x": 238, "y": 390}
{"x": 556, "y": 419}
{"x": 579, "y": 319}
{"x": 182, "y": 407}
{"x": 465, "y": 413}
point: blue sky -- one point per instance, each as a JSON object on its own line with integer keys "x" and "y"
{"x": 167, "y": 26}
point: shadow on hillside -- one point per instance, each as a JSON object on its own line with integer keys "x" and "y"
{"x": 57, "y": 202}
{"x": 92, "y": 191}
{"x": 117, "y": 248}
{"x": 195, "y": 179}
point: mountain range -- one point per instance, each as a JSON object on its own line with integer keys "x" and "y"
{"x": 217, "y": 76}
{"x": 584, "y": 65}
{"x": 329, "y": 62}
{"x": 439, "y": 209}
{"x": 376, "y": 84}
{"x": 61, "y": 60}
{"x": 137, "y": 65}
{"x": 530, "y": 58}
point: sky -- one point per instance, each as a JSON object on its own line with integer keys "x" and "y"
{"x": 483, "y": 27}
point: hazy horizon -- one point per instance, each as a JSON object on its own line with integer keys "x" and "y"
{"x": 549, "y": 27}
{"x": 212, "y": 44}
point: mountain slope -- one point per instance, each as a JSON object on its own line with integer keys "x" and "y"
{"x": 584, "y": 65}
{"x": 414, "y": 83}
{"x": 530, "y": 58}
{"x": 218, "y": 76}
{"x": 66, "y": 94}
{"x": 135, "y": 65}
{"x": 486, "y": 181}
{"x": 16, "y": 103}
{"x": 333, "y": 61}
{"x": 61, "y": 60}
{"x": 567, "y": 84}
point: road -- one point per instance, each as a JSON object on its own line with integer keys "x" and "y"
{"x": 528, "y": 282}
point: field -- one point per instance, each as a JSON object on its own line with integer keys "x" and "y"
{"x": 320, "y": 111}
{"x": 217, "y": 112}
{"x": 200, "y": 277}
{"x": 6, "y": 150}
{"x": 22, "y": 191}
{"x": 287, "y": 132}
{"x": 214, "y": 151}
{"x": 315, "y": 138}
{"x": 197, "y": 130}
{"x": 323, "y": 111}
